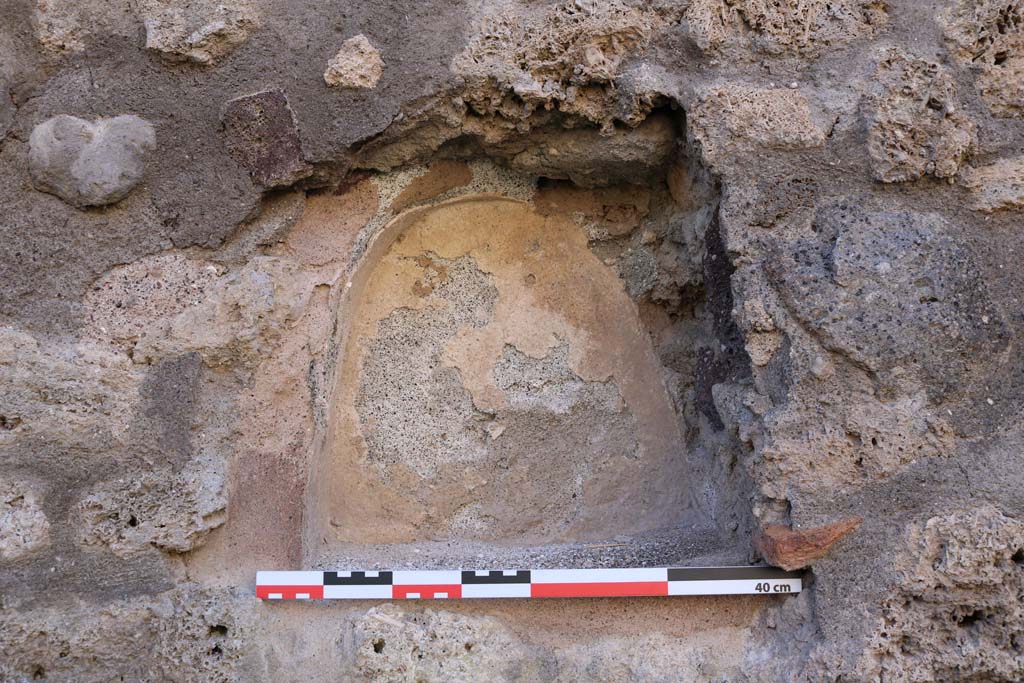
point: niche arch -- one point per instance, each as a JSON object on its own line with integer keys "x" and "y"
{"x": 493, "y": 385}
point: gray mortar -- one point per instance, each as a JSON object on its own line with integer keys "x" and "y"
{"x": 171, "y": 394}
{"x": 670, "y": 547}
{"x": 638, "y": 268}
{"x": 6, "y": 110}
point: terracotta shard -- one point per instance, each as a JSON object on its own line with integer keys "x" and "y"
{"x": 783, "y": 547}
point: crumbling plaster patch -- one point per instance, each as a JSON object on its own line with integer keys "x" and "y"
{"x": 550, "y": 291}
{"x": 317, "y": 246}
{"x": 201, "y": 31}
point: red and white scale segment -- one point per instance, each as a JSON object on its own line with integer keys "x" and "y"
{"x": 536, "y": 583}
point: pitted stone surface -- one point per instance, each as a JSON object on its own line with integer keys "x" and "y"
{"x": 729, "y": 120}
{"x": 917, "y": 127}
{"x": 808, "y": 28}
{"x": 129, "y": 300}
{"x": 201, "y": 31}
{"x": 567, "y": 57}
{"x": 890, "y": 290}
{"x": 998, "y": 186}
{"x": 356, "y": 65}
{"x": 80, "y": 398}
{"x": 262, "y": 134}
{"x": 159, "y": 508}
{"x": 958, "y": 612}
{"x": 987, "y": 36}
{"x": 23, "y": 524}
{"x": 393, "y": 646}
{"x": 188, "y": 634}
{"x": 242, "y": 319}
{"x": 862, "y": 440}
{"x": 70, "y": 27}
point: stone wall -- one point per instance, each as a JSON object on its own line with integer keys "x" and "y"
{"x": 511, "y": 283}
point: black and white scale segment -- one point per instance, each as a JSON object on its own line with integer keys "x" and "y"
{"x": 524, "y": 583}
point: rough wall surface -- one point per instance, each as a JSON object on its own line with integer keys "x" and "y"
{"x": 511, "y": 283}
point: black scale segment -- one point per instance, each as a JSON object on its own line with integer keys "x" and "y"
{"x": 730, "y": 574}
{"x": 471, "y": 577}
{"x": 357, "y": 579}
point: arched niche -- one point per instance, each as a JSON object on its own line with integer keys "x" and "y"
{"x": 494, "y": 385}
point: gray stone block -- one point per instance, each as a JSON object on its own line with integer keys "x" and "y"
{"x": 90, "y": 164}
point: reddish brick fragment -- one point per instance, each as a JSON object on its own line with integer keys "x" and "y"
{"x": 789, "y": 549}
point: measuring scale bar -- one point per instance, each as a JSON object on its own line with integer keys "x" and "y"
{"x": 524, "y": 583}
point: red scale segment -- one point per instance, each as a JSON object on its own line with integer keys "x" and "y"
{"x": 289, "y": 592}
{"x": 610, "y": 589}
{"x": 426, "y": 591}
